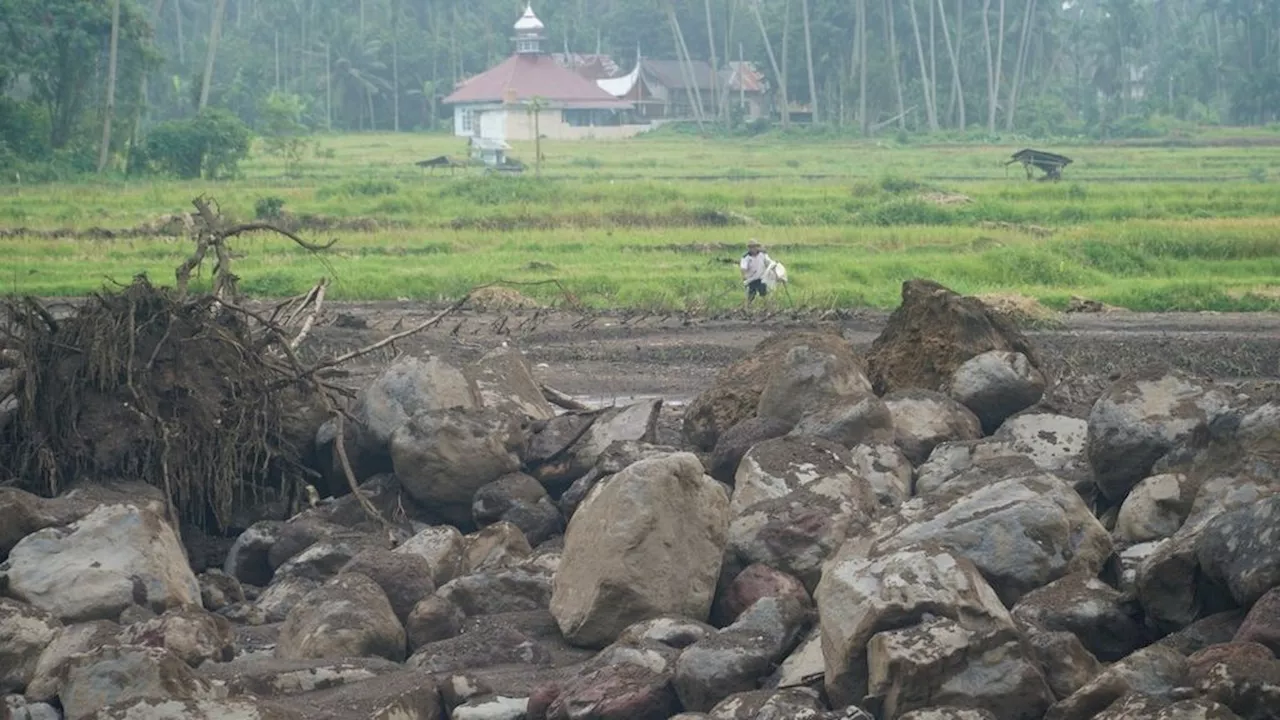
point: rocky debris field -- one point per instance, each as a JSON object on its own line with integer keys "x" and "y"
{"x": 937, "y": 524}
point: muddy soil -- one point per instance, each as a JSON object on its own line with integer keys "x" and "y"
{"x": 617, "y": 358}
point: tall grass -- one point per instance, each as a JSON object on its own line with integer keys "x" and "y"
{"x": 658, "y": 223}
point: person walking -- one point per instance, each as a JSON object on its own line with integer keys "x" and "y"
{"x": 753, "y": 267}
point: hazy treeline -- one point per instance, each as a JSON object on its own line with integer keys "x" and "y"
{"x": 1042, "y": 67}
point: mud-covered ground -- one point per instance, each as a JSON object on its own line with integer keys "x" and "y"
{"x": 618, "y": 358}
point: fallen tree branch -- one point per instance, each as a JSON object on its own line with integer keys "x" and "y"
{"x": 560, "y": 399}
{"x": 347, "y": 357}
{"x": 311, "y": 318}
{"x": 256, "y": 226}
{"x": 340, "y": 444}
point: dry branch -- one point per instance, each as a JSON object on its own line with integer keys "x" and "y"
{"x": 560, "y": 399}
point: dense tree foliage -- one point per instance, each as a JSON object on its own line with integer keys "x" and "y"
{"x": 1041, "y": 67}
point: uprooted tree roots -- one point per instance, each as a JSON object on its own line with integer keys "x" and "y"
{"x": 143, "y": 384}
{"x": 192, "y": 394}
{"x": 195, "y": 394}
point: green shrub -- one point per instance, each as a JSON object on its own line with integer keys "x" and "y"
{"x": 360, "y": 188}
{"x": 210, "y": 145}
{"x": 268, "y": 208}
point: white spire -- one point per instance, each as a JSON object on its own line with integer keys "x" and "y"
{"x": 528, "y": 22}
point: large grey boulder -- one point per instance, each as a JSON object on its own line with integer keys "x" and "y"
{"x": 1155, "y": 508}
{"x": 1170, "y": 584}
{"x": 735, "y": 394}
{"x": 112, "y": 558}
{"x": 620, "y": 563}
{"x": 193, "y": 636}
{"x": 859, "y": 597}
{"x": 70, "y": 641}
{"x": 735, "y": 442}
{"x": 923, "y": 419}
{"x": 443, "y": 457}
{"x": 886, "y": 469}
{"x": 1238, "y": 549}
{"x": 995, "y": 385}
{"x": 347, "y": 617}
{"x": 739, "y": 657}
{"x": 776, "y": 468}
{"x": 942, "y": 661}
{"x": 809, "y": 378}
{"x": 444, "y": 549}
{"x": 848, "y": 421}
{"x": 503, "y": 381}
{"x": 409, "y": 386}
{"x": 794, "y": 502}
{"x": 1154, "y": 671}
{"x": 1108, "y": 623}
{"x": 115, "y": 674}
{"x": 25, "y": 631}
{"x": 1138, "y": 420}
{"x": 405, "y": 578}
{"x": 1022, "y": 533}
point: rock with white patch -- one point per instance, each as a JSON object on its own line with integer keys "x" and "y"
{"x": 1238, "y": 549}
{"x": 803, "y": 667}
{"x": 790, "y": 703}
{"x": 270, "y": 677}
{"x": 1022, "y": 533}
{"x": 491, "y": 708}
{"x": 1155, "y": 508}
{"x": 503, "y": 380}
{"x": 923, "y": 419}
{"x": 1140, "y": 419}
{"x": 442, "y": 546}
{"x": 1154, "y": 671}
{"x": 859, "y": 597}
{"x": 774, "y": 468}
{"x": 1169, "y": 582}
{"x": 25, "y": 631}
{"x": 941, "y": 661}
{"x": 69, "y": 641}
{"x": 886, "y": 469}
{"x": 995, "y": 385}
{"x": 194, "y": 636}
{"x": 1108, "y": 623}
{"x": 115, "y": 674}
{"x": 347, "y": 617}
{"x": 114, "y": 557}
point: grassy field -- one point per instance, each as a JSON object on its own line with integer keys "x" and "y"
{"x": 657, "y": 223}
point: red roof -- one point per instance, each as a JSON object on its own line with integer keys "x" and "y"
{"x": 523, "y": 77}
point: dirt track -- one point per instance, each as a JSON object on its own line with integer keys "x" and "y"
{"x": 615, "y": 358}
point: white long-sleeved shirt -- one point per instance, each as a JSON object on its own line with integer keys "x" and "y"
{"x": 755, "y": 266}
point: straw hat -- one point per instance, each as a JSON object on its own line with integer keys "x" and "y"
{"x": 754, "y": 245}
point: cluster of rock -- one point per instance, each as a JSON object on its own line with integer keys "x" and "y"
{"x": 910, "y": 536}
